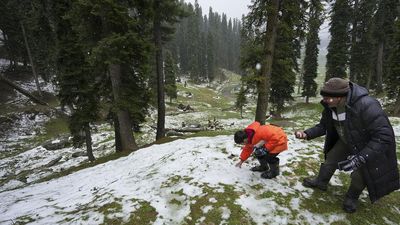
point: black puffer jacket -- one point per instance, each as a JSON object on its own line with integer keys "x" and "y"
{"x": 368, "y": 133}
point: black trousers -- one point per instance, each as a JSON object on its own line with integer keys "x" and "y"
{"x": 340, "y": 152}
{"x": 269, "y": 158}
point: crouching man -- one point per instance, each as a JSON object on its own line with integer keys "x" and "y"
{"x": 265, "y": 142}
{"x": 358, "y": 138}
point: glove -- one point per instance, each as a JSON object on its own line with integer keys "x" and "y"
{"x": 260, "y": 152}
{"x": 353, "y": 162}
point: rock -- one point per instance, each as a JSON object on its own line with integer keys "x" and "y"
{"x": 6, "y": 119}
{"x": 78, "y": 154}
{"x": 185, "y": 107}
{"x": 173, "y": 133}
{"x": 194, "y": 125}
{"x": 60, "y": 143}
{"x": 100, "y": 148}
{"x": 54, "y": 161}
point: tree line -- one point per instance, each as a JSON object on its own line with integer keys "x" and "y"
{"x": 204, "y": 43}
{"x": 120, "y": 57}
{"x": 115, "y": 57}
{"x": 363, "y": 48}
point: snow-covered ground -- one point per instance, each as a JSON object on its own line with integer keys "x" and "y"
{"x": 170, "y": 178}
{"x": 173, "y": 179}
{"x": 146, "y": 174}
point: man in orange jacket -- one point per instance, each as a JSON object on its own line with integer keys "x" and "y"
{"x": 266, "y": 141}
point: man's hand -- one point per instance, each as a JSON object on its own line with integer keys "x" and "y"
{"x": 239, "y": 164}
{"x": 300, "y": 135}
{"x": 353, "y": 162}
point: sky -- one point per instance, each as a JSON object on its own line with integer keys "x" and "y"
{"x": 232, "y": 8}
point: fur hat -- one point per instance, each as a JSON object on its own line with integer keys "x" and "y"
{"x": 335, "y": 87}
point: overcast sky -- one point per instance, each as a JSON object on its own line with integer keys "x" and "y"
{"x": 232, "y": 8}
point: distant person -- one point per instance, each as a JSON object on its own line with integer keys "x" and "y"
{"x": 265, "y": 142}
{"x": 359, "y": 138}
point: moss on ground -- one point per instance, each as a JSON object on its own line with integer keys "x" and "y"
{"x": 217, "y": 207}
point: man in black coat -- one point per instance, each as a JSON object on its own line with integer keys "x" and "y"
{"x": 359, "y": 138}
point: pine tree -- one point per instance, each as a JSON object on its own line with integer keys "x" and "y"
{"x": 385, "y": 17}
{"x": 13, "y": 47}
{"x": 166, "y": 13}
{"x": 338, "y": 48}
{"x": 361, "y": 61}
{"x": 210, "y": 57}
{"x": 264, "y": 85}
{"x": 241, "y": 100}
{"x": 393, "y": 79}
{"x": 28, "y": 37}
{"x": 170, "y": 76}
{"x": 275, "y": 84}
{"x": 258, "y": 49}
{"x": 204, "y": 44}
{"x": 42, "y": 36}
{"x": 286, "y": 54}
{"x": 75, "y": 79}
{"x": 310, "y": 63}
{"x": 118, "y": 44}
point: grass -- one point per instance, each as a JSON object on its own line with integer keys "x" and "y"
{"x": 206, "y": 211}
{"x": 145, "y": 214}
{"x": 213, "y": 205}
{"x": 53, "y": 128}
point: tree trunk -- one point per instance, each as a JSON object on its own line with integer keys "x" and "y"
{"x": 23, "y": 91}
{"x": 88, "y": 138}
{"x": 125, "y": 127}
{"x": 31, "y": 60}
{"x": 118, "y": 145}
{"x": 353, "y": 75}
{"x": 396, "y": 110}
{"x": 264, "y": 85}
{"x": 379, "y": 68}
{"x": 160, "y": 76}
{"x": 301, "y": 81}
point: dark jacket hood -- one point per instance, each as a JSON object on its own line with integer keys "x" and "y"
{"x": 356, "y": 93}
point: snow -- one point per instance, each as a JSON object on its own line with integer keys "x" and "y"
{"x": 160, "y": 175}
{"x": 142, "y": 175}
{"x": 146, "y": 175}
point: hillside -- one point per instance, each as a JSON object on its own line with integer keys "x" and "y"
{"x": 189, "y": 179}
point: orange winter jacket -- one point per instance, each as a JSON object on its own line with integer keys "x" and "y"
{"x": 274, "y": 137}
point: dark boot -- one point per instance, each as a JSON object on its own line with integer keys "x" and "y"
{"x": 262, "y": 167}
{"x": 322, "y": 180}
{"x": 272, "y": 172}
{"x": 353, "y": 193}
{"x": 350, "y": 204}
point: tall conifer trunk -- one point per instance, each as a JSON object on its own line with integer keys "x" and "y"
{"x": 264, "y": 85}
{"x": 31, "y": 60}
{"x": 379, "y": 67}
{"x": 160, "y": 74}
{"x": 125, "y": 127}
{"x": 88, "y": 139}
{"x": 353, "y": 75}
{"x": 396, "y": 110}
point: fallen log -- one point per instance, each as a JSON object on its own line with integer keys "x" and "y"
{"x": 186, "y": 129}
{"x": 22, "y": 91}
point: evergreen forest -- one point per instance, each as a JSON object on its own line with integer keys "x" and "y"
{"x": 115, "y": 60}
